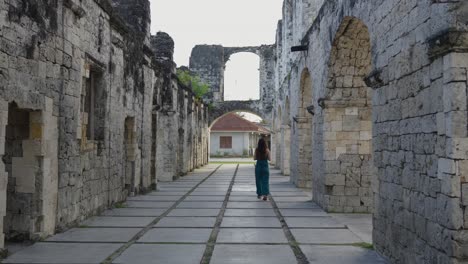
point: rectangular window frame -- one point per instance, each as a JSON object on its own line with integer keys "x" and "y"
{"x": 225, "y": 142}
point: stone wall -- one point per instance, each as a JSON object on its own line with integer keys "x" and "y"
{"x": 209, "y": 62}
{"x": 393, "y": 145}
{"x": 98, "y": 99}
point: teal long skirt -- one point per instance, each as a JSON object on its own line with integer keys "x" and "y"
{"x": 262, "y": 177}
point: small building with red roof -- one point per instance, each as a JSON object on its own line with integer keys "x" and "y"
{"x": 233, "y": 135}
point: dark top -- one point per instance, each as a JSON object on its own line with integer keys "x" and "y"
{"x": 262, "y": 156}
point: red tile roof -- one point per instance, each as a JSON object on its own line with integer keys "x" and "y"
{"x": 233, "y": 122}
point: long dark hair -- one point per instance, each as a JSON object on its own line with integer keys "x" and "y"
{"x": 262, "y": 147}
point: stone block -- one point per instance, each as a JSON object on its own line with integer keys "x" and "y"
{"x": 351, "y": 123}
{"x": 335, "y": 179}
{"x": 455, "y": 97}
{"x": 446, "y": 166}
{"x": 352, "y": 111}
{"x": 456, "y": 123}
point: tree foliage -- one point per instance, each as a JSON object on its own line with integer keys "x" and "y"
{"x": 199, "y": 88}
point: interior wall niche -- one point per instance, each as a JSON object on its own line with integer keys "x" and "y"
{"x": 20, "y": 201}
{"x": 348, "y": 121}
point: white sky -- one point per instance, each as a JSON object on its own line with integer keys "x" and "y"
{"x": 224, "y": 22}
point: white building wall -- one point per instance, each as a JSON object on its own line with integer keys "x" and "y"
{"x": 240, "y": 143}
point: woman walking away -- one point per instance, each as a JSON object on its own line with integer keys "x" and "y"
{"x": 262, "y": 171}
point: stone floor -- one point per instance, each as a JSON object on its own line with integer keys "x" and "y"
{"x": 212, "y": 216}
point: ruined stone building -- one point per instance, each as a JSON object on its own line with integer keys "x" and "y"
{"x": 368, "y": 105}
{"x": 367, "y": 101}
{"x": 90, "y": 112}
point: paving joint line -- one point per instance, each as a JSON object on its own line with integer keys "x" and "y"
{"x": 214, "y": 234}
{"x": 300, "y": 256}
{"x": 150, "y": 226}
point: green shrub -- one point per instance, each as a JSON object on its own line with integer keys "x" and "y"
{"x": 199, "y": 88}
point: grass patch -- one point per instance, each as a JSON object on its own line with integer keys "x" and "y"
{"x": 83, "y": 226}
{"x": 120, "y": 205}
{"x": 364, "y": 245}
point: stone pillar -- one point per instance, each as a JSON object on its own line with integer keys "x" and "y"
{"x": 286, "y": 150}
{"x": 49, "y": 190}
{"x": 3, "y": 173}
{"x": 167, "y": 146}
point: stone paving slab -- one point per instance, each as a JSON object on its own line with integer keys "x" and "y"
{"x": 253, "y": 254}
{"x": 176, "y": 235}
{"x": 325, "y": 236}
{"x": 205, "y": 198}
{"x": 187, "y": 222}
{"x": 249, "y": 212}
{"x": 313, "y": 222}
{"x": 260, "y": 222}
{"x": 252, "y": 198}
{"x": 152, "y": 198}
{"x": 200, "y": 205}
{"x": 194, "y": 212}
{"x": 164, "y": 254}
{"x": 303, "y": 212}
{"x": 148, "y": 204}
{"x": 102, "y": 235}
{"x": 203, "y": 193}
{"x": 341, "y": 255}
{"x": 251, "y": 235}
{"x": 249, "y": 205}
{"x": 167, "y": 193}
{"x": 64, "y": 253}
{"x": 292, "y": 199}
{"x": 110, "y": 221}
{"x": 134, "y": 212}
{"x": 297, "y": 205}
{"x": 245, "y": 194}
{"x": 289, "y": 194}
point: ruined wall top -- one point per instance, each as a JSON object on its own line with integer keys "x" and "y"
{"x": 163, "y": 46}
{"x": 137, "y": 15}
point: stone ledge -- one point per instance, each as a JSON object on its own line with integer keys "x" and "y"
{"x": 448, "y": 41}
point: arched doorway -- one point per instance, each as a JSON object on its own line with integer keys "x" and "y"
{"x": 347, "y": 130}
{"x": 301, "y": 157}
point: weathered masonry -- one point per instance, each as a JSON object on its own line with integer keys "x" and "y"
{"x": 371, "y": 112}
{"x": 209, "y": 62}
{"x": 89, "y": 106}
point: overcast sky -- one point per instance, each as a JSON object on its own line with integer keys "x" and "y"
{"x": 225, "y": 22}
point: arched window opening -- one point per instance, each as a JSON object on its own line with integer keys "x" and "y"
{"x": 242, "y": 77}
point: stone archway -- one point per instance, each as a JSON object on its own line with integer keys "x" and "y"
{"x": 347, "y": 134}
{"x": 301, "y": 154}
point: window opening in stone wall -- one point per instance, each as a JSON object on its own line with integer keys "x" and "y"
{"x": 242, "y": 77}
{"x": 93, "y": 108}
{"x": 130, "y": 152}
